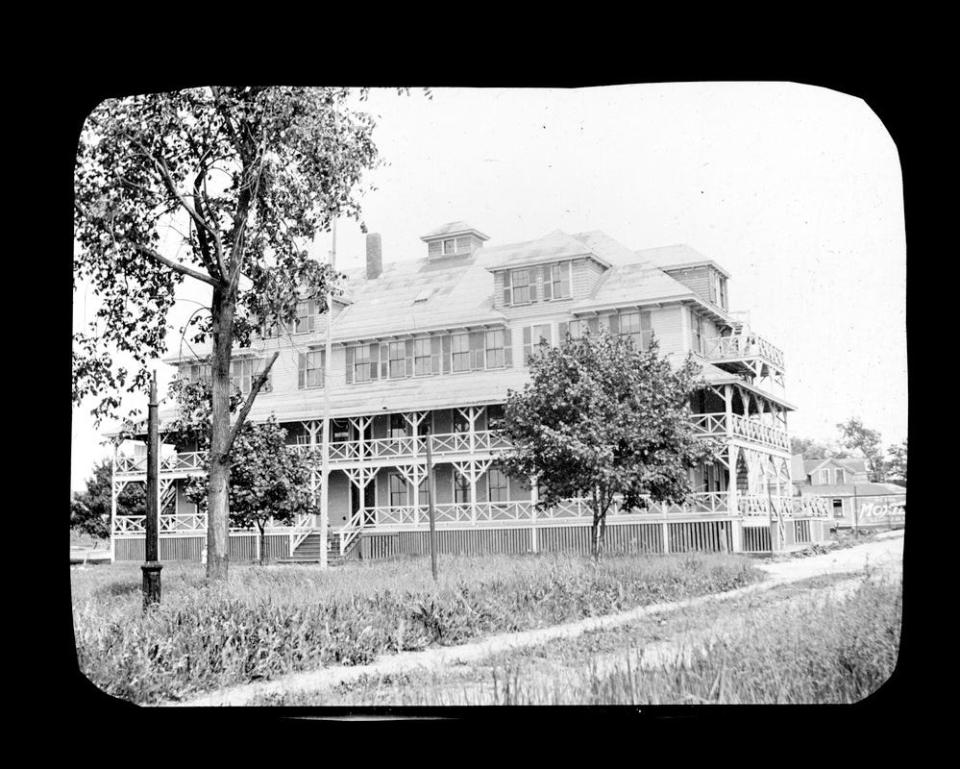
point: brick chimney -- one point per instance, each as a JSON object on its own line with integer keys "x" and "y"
{"x": 374, "y": 256}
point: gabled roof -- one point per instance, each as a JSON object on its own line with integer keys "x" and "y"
{"x": 453, "y": 228}
{"x": 678, "y": 256}
{"x": 853, "y": 464}
{"x": 551, "y": 247}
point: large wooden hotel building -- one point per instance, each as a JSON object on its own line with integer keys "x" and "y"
{"x": 433, "y": 345}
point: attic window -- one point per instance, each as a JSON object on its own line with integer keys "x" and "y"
{"x": 425, "y": 293}
{"x": 450, "y": 246}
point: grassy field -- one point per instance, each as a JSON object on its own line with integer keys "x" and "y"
{"x": 266, "y": 622}
{"x": 801, "y": 643}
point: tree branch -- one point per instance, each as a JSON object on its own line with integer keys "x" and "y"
{"x": 157, "y": 257}
{"x": 248, "y": 404}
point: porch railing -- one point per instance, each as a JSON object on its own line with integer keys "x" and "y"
{"x": 196, "y": 523}
{"x": 715, "y": 425}
{"x": 740, "y": 346}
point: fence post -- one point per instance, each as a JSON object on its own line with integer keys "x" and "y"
{"x": 666, "y": 537}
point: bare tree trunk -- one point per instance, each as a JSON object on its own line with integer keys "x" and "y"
{"x": 218, "y": 502}
{"x": 595, "y": 529}
{"x": 263, "y": 542}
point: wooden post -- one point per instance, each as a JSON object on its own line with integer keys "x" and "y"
{"x": 151, "y": 568}
{"x": 534, "y": 498}
{"x": 431, "y": 484}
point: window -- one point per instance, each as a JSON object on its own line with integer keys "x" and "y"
{"x": 306, "y": 319}
{"x": 496, "y": 485}
{"x": 398, "y": 426}
{"x": 422, "y": 352}
{"x": 311, "y": 370}
{"x": 398, "y": 360}
{"x": 243, "y": 372}
{"x": 637, "y": 326}
{"x": 494, "y": 349}
{"x": 425, "y": 492}
{"x": 196, "y": 372}
{"x": 449, "y": 246}
{"x": 838, "y": 508}
{"x": 533, "y": 336}
{"x": 556, "y": 280}
{"x": 460, "y": 423}
{"x": 696, "y": 329}
{"x": 461, "y": 489}
{"x": 461, "y": 352}
{"x": 840, "y": 476}
{"x": 398, "y": 489}
{"x": 361, "y": 364}
{"x": 339, "y": 430}
{"x": 520, "y": 283}
{"x": 578, "y": 328}
{"x": 495, "y": 417}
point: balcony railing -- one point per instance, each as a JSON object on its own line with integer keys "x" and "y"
{"x": 445, "y": 445}
{"x": 715, "y": 425}
{"x": 742, "y": 346}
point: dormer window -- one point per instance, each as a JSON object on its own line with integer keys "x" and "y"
{"x": 449, "y": 246}
{"x": 518, "y": 289}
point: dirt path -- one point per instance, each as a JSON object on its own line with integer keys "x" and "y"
{"x": 884, "y": 554}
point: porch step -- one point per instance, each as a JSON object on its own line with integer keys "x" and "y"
{"x": 309, "y": 551}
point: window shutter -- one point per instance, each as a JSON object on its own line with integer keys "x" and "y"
{"x": 349, "y": 368}
{"x": 615, "y": 324}
{"x": 446, "y": 353}
{"x": 507, "y": 348}
{"x": 646, "y": 330}
{"x": 527, "y": 346}
{"x": 384, "y": 361}
{"x": 408, "y": 365}
{"x": 476, "y": 350}
{"x": 593, "y": 325}
{"x": 507, "y": 289}
{"x": 374, "y": 360}
{"x": 435, "y": 352}
{"x": 302, "y": 371}
{"x": 312, "y": 317}
{"x": 547, "y": 281}
{"x": 323, "y": 368}
{"x": 533, "y": 286}
{"x": 562, "y": 329}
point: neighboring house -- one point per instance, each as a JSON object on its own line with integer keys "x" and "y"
{"x": 845, "y": 486}
{"x": 435, "y": 343}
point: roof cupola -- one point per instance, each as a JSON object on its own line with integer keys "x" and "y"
{"x": 453, "y": 239}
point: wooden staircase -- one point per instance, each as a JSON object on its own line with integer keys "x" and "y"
{"x": 308, "y": 551}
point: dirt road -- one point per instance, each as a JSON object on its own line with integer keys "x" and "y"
{"x": 885, "y": 555}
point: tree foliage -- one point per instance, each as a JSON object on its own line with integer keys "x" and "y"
{"x": 245, "y": 177}
{"x": 855, "y": 435}
{"x": 814, "y": 449}
{"x": 896, "y": 464}
{"x": 90, "y": 509}
{"x": 269, "y": 479}
{"x": 602, "y": 420}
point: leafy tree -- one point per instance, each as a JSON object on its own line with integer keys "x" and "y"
{"x": 247, "y": 176}
{"x": 90, "y": 509}
{"x": 269, "y": 480}
{"x": 602, "y": 420}
{"x": 896, "y": 465}
{"x": 814, "y": 449}
{"x": 854, "y": 435}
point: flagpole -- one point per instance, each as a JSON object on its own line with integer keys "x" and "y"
{"x": 325, "y": 431}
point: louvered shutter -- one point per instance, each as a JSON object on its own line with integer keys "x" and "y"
{"x": 323, "y": 368}
{"x": 476, "y": 350}
{"x": 384, "y": 361}
{"x": 562, "y": 329}
{"x": 348, "y": 373}
{"x": 593, "y": 325}
{"x": 507, "y": 289}
{"x": 374, "y": 356}
{"x": 409, "y": 362}
{"x": 533, "y": 285}
{"x": 646, "y": 330}
{"x": 312, "y": 316}
{"x": 507, "y": 348}
{"x": 527, "y": 345}
{"x": 445, "y": 355}
{"x": 435, "y": 352}
{"x": 302, "y": 371}
{"x": 615, "y": 324}
{"x": 547, "y": 281}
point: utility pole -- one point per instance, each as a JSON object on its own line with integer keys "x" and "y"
{"x": 432, "y": 487}
{"x": 325, "y": 429}
{"x": 151, "y": 568}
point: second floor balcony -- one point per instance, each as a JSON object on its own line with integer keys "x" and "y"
{"x": 743, "y": 349}
{"x": 446, "y": 446}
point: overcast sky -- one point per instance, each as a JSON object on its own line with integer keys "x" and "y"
{"x": 795, "y": 190}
